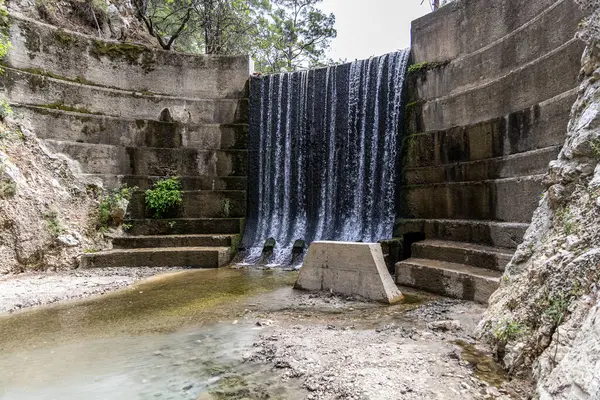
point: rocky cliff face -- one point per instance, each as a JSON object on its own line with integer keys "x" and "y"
{"x": 545, "y": 317}
{"x": 114, "y": 19}
{"x": 46, "y": 214}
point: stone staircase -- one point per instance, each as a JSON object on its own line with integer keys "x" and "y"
{"x": 463, "y": 259}
{"x": 455, "y": 269}
{"x": 122, "y": 113}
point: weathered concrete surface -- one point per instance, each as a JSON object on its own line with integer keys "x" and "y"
{"x": 152, "y": 161}
{"x": 448, "y": 279}
{"x": 486, "y": 112}
{"x": 197, "y": 204}
{"x": 193, "y": 257}
{"x": 35, "y": 90}
{"x": 127, "y": 66}
{"x": 348, "y": 268}
{"x": 125, "y": 131}
{"x": 475, "y": 255}
{"x": 493, "y": 233}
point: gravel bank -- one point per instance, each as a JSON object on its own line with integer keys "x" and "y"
{"x": 37, "y": 288}
{"x": 429, "y": 352}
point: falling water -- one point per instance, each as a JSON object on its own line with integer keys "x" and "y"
{"x": 323, "y": 155}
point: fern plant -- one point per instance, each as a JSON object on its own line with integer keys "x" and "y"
{"x": 164, "y": 196}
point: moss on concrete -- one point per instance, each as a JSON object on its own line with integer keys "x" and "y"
{"x": 132, "y": 53}
{"x": 62, "y": 37}
{"x": 59, "y": 105}
{"x": 426, "y": 66}
{"x": 33, "y": 41}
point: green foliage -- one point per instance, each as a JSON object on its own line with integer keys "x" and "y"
{"x": 59, "y": 105}
{"x": 52, "y": 222}
{"x": 110, "y": 203}
{"x": 5, "y": 109}
{"x": 164, "y": 196}
{"x": 556, "y": 312}
{"x": 557, "y": 309}
{"x": 4, "y": 32}
{"x": 595, "y": 146}
{"x": 281, "y": 35}
{"x": 296, "y": 34}
{"x": 565, "y": 218}
{"x": 7, "y": 189}
{"x": 426, "y": 66}
{"x": 506, "y": 331}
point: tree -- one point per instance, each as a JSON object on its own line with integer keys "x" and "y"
{"x": 166, "y": 20}
{"x": 281, "y": 36}
{"x": 229, "y": 25}
{"x": 296, "y": 34}
{"x": 214, "y": 26}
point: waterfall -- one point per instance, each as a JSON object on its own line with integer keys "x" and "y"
{"x": 323, "y": 148}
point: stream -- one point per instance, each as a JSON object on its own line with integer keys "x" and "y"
{"x": 171, "y": 337}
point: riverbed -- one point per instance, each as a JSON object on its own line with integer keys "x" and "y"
{"x": 242, "y": 334}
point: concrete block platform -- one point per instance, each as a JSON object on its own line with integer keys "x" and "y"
{"x": 348, "y": 268}
{"x": 192, "y": 257}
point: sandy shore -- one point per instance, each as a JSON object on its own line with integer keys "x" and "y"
{"x": 37, "y": 288}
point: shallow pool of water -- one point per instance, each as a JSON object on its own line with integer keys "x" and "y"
{"x": 171, "y": 337}
{"x": 177, "y": 336}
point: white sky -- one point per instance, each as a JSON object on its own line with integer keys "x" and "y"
{"x": 372, "y": 27}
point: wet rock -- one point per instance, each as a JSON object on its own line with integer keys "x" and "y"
{"x": 445, "y": 326}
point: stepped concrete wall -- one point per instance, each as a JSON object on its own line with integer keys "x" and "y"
{"x": 102, "y": 103}
{"x": 488, "y": 104}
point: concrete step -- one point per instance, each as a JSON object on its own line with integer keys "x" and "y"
{"x": 118, "y": 131}
{"x": 536, "y": 127}
{"x": 185, "y": 226}
{"x": 552, "y": 74}
{"x": 160, "y": 241}
{"x": 152, "y": 161}
{"x": 483, "y": 200}
{"x": 492, "y": 233}
{"x": 448, "y": 279}
{"x": 144, "y": 182}
{"x": 32, "y": 89}
{"x": 533, "y": 162}
{"x": 520, "y": 45}
{"x": 196, "y": 204}
{"x": 475, "y": 255}
{"x": 194, "y": 257}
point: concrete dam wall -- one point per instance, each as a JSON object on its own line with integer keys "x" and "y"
{"x": 123, "y": 113}
{"x": 486, "y": 112}
{"x": 100, "y": 103}
{"x": 489, "y": 96}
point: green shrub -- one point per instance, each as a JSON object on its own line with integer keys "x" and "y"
{"x": 109, "y": 204}
{"x": 7, "y": 189}
{"x": 506, "y": 331}
{"x": 54, "y": 226}
{"x": 4, "y": 27}
{"x": 5, "y": 109}
{"x": 164, "y": 196}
